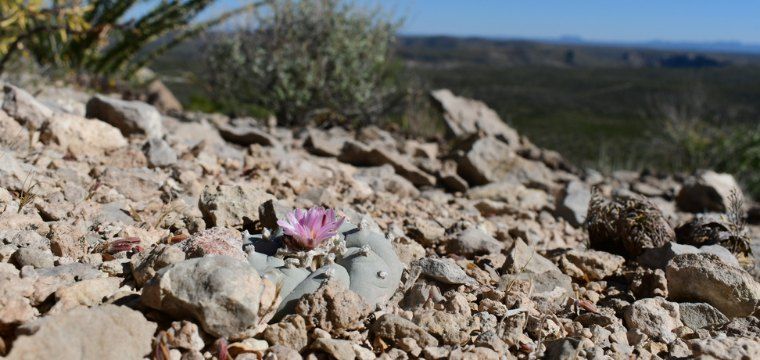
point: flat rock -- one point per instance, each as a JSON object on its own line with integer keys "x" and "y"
{"x": 89, "y": 292}
{"x": 356, "y": 153}
{"x": 94, "y": 333}
{"x": 706, "y": 278}
{"x": 443, "y": 270}
{"x": 658, "y": 258}
{"x": 33, "y": 257}
{"x": 473, "y": 242}
{"x": 244, "y": 133}
{"x": 655, "y": 317}
{"x": 591, "y": 264}
{"x": 728, "y": 348}
{"x": 227, "y": 296}
{"x": 131, "y": 117}
{"x": 215, "y": 241}
{"x": 701, "y": 315}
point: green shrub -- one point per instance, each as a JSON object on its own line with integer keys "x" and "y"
{"x": 102, "y": 37}
{"x": 299, "y": 57}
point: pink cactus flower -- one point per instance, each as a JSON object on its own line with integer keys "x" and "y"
{"x": 307, "y": 229}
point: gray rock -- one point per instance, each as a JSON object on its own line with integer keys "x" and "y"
{"x": 227, "y": 205}
{"x": 562, "y": 349}
{"x": 443, "y": 270}
{"x": 700, "y": 315}
{"x": 655, "y": 317}
{"x": 227, "y": 296}
{"x": 23, "y": 107}
{"x": 706, "y": 278}
{"x": 707, "y": 191}
{"x": 658, "y": 258}
{"x": 159, "y": 153}
{"x": 573, "y": 203}
{"x": 131, "y": 117}
{"x": 465, "y": 116}
{"x": 33, "y": 257}
{"x": 473, "y": 242}
{"x": 94, "y": 333}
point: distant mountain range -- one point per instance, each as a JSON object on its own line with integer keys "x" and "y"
{"x": 734, "y": 47}
{"x": 447, "y": 51}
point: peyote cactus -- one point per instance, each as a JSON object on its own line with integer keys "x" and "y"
{"x": 312, "y": 246}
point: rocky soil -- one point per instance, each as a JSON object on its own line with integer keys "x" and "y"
{"x": 127, "y": 234}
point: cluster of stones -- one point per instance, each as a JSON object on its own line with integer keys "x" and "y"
{"x": 127, "y": 231}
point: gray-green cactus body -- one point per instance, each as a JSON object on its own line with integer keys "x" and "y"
{"x": 369, "y": 267}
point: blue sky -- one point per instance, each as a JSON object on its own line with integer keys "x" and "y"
{"x": 598, "y": 20}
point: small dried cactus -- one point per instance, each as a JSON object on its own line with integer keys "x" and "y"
{"x": 625, "y": 225}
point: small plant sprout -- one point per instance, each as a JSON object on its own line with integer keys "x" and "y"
{"x": 308, "y": 229}
{"x": 26, "y": 196}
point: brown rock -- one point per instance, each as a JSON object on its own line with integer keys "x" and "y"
{"x": 333, "y": 308}
{"x": 393, "y": 328}
{"x": 215, "y": 241}
{"x": 96, "y": 333}
{"x": 228, "y": 205}
{"x": 290, "y": 332}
